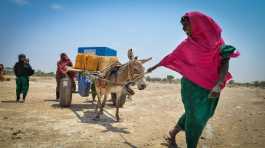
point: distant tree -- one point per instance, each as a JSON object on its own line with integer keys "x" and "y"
{"x": 177, "y": 80}
{"x": 148, "y": 78}
{"x": 8, "y": 71}
{"x": 247, "y": 84}
{"x": 164, "y": 80}
{"x": 262, "y": 84}
{"x": 156, "y": 79}
{"x": 170, "y": 78}
{"x": 256, "y": 83}
{"x": 51, "y": 74}
{"x": 232, "y": 82}
{"x": 41, "y": 73}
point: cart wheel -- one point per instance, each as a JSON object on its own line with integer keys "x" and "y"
{"x": 122, "y": 99}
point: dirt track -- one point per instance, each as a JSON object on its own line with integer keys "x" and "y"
{"x": 239, "y": 120}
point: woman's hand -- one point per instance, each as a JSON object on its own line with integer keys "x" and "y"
{"x": 215, "y": 92}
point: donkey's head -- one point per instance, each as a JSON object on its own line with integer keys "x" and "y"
{"x": 136, "y": 70}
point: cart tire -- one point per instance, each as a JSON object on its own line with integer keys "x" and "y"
{"x": 122, "y": 99}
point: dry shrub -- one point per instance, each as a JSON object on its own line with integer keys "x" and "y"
{"x": 33, "y": 79}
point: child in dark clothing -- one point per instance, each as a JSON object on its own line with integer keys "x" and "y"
{"x": 22, "y": 70}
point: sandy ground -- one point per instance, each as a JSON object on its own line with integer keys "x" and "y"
{"x": 239, "y": 120}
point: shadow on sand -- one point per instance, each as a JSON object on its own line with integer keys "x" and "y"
{"x": 9, "y": 101}
{"x": 86, "y": 114}
{"x": 50, "y": 100}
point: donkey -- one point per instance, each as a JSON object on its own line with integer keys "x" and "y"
{"x": 118, "y": 82}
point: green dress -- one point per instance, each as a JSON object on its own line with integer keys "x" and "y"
{"x": 22, "y": 72}
{"x": 198, "y": 107}
{"x": 22, "y": 85}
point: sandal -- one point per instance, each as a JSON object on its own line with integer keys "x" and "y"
{"x": 171, "y": 143}
{"x": 170, "y": 139}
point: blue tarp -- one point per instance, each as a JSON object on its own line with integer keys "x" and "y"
{"x": 100, "y": 51}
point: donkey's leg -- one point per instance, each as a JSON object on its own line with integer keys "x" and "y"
{"x": 93, "y": 98}
{"x": 98, "y": 98}
{"x": 98, "y": 106}
{"x": 118, "y": 106}
{"x": 98, "y": 102}
{"x": 103, "y": 103}
{"x": 93, "y": 91}
{"x": 117, "y": 111}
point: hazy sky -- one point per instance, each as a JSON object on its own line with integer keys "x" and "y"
{"x": 42, "y": 29}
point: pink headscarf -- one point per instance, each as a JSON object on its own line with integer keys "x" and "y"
{"x": 198, "y": 57}
{"x": 61, "y": 66}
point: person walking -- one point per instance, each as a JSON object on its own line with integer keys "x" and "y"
{"x": 23, "y": 71}
{"x": 203, "y": 60}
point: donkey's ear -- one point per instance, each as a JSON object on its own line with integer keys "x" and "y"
{"x": 145, "y": 60}
{"x": 130, "y": 54}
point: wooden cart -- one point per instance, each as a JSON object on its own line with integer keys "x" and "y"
{"x": 65, "y": 88}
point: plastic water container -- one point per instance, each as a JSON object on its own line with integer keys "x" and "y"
{"x": 100, "y": 51}
{"x": 83, "y": 86}
{"x": 65, "y": 92}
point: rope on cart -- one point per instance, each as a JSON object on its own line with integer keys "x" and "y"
{"x": 96, "y": 75}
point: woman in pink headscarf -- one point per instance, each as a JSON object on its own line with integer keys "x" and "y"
{"x": 62, "y": 72}
{"x": 202, "y": 59}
